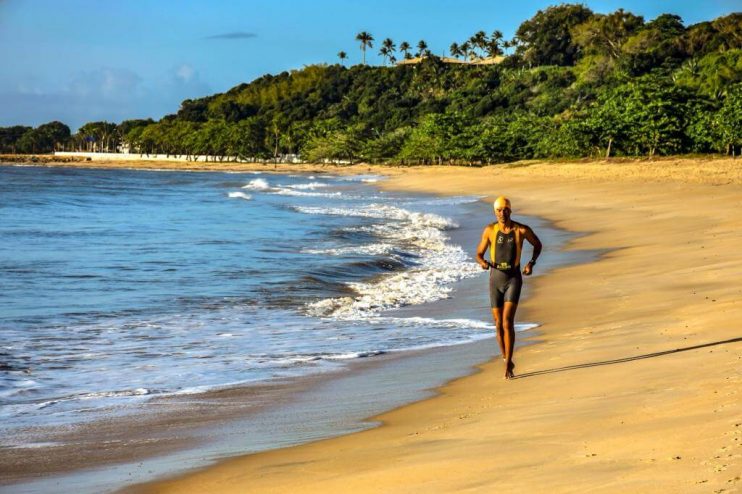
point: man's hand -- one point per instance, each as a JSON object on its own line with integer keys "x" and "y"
{"x": 484, "y": 265}
{"x": 528, "y": 269}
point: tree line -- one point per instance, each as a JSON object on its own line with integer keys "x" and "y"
{"x": 576, "y": 84}
{"x": 477, "y": 47}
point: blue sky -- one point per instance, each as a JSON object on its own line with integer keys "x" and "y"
{"x": 84, "y": 60}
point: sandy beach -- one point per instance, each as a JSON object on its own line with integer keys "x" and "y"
{"x": 633, "y": 385}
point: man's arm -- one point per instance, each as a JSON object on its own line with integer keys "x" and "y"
{"x": 533, "y": 240}
{"x": 482, "y": 248}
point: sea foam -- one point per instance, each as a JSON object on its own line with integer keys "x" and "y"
{"x": 239, "y": 195}
{"x": 423, "y": 235}
{"x": 297, "y": 190}
{"x": 257, "y": 184}
{"x": 310, "y": 185}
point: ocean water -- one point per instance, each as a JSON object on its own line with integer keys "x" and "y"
{"x": 122, "y": 285}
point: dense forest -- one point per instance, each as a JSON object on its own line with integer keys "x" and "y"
{"x": 575, "y": 83}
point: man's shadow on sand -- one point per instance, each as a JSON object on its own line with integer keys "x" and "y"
{"x": 625, "y": 359}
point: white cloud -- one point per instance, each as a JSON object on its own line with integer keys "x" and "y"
{"x": 107, "y": 93}
{"x": 184, "y": 82}
{"x": 106, "y": 82}
{"x": 185, "y": 72}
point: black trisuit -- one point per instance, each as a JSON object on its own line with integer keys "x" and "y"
{"x": 505, "y": 278}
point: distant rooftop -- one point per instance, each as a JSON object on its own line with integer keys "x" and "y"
{"x": 476, "y": 61}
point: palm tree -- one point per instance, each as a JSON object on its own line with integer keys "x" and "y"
{"x": 342, "y": 56}
{"x": 404, "y": 47}
{"x": 479, "y": 40}
{"x": 455, "y": 50}
{"x": 385, "y": 53}
{"x": 465, "y": 50}
{"x": 366, "y": 42}
{"x": 422, "y": 48}
{"x": 493, "y": 45}
{"x": 507, "y": 44}
{"x": 389, "y": 44}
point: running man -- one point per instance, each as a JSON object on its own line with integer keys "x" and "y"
{"x": 505, "y": 241}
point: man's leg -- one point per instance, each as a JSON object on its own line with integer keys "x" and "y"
{"x": 508, "y": 330}
{"x": 497, "y": 316}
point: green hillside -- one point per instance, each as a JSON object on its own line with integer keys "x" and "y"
{"x": 574, "y": 84}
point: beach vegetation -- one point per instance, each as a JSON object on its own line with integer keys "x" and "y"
{"x": 729, "y": 121}
{"x": 575, "y": 84}
{"x": 546, "y": 38}
{"x": 10, "y": 138}
{"x": 367, "y": 41}
{"x": 422, "y": 49}
{"x": 45, "y": 138}
{"x": 405, "y": 48}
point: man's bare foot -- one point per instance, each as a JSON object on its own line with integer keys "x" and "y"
{"x": 509, "y": 370}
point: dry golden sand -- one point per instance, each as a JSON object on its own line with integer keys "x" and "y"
{"x": 634, "y": 385}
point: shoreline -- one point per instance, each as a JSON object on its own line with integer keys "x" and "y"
{"x": 705, "y": 170}
{"x": 226, "y": 423}
{"x": 188, "y": 433}
{"x": 666, "y": 413}
{"x": 631, "y": 387}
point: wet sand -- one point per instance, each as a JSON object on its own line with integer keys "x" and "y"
{"x": 634, "y": 386}
{"x": 173, "y": 434}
